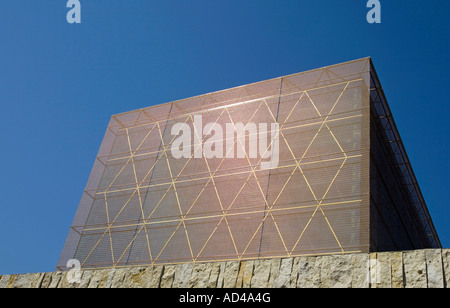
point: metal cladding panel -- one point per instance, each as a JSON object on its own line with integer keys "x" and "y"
{"x": 399, "y": 215}
{"x": 278, "y": 168}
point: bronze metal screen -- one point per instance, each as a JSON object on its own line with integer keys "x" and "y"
{"x": 142, "y": 205}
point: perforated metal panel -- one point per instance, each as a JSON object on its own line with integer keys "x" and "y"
{"x": 142, "y": 205}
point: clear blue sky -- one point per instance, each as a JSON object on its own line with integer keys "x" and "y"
{"x": 60, "y": 83}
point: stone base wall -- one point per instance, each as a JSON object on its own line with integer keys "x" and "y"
{"x": 408, "y": 269}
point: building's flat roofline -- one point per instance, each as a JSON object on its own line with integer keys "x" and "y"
{"x": 246, "y": 85}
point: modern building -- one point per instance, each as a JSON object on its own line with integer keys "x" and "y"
{"x": 306, "y": 164}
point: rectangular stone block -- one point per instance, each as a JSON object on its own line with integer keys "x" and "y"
{"x": 308, "y": 272}
{"x": 118, "y": 280}
{"x": 214, "y": 275}
{"x": 294, "y": 272}
{"x": 85, "y": 279}
{"x": 414, "y": 263}
{"x": 101, "y": 279}
{"x": 182, "y": 275}
{"x": 200, "y": 275}
{"x": 397, "y": 276}
{"x": 261, "y": 274}
{"x": 168, "y": 276}
{"x": 275, "y": 265}
{"x": 248, "y": 274}
{"x": 245, "y": 274}
{"x": 230, "y": 274}
{"x": 282, "y": 274}
{"x": 360, "y": 271}
{"x": 336, "y": 271}
{"x": 4, "y": 281}
{"x": 435, "y": 273}
{"x": 138, "y": 277}
{"x": 222, "y": 266}
{"x": 55, "y": 279}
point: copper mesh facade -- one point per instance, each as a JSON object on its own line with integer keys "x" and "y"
{"x": 142, "y": 205}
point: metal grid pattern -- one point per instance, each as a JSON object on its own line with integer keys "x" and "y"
{"x": 399, "y": 216}
{"x": 144, "y": 206}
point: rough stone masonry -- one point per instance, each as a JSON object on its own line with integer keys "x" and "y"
{"x": 407, "y": 269}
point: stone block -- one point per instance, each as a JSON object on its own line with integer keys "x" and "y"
{"x": 336, "y": 271}
{"x": 435, "y": 274}
{"x": 308, "y": 272}
{"x": 275, "y": 265}
{"x": 397, "y": 275}
{"x": 138, "y": 277}
{"x": 25, "y": 281}
{"x": 360, "y": 271}
{"x": 200, "y": 275}
{"x": 282, "y": 276}
{"x": 230, "y": 274}
{"x": 55, "y": 279}
{"x": 415, "y": 269}
{"x": 182, "y": 275}
{"x": 4, "y": 281}
{"x": 222, "y": 266}
{"x": 168, "y": 276}
{"x": 214, "y": 275}
{"x": 101, "y": 278}
{"x": 261, "y": 274}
